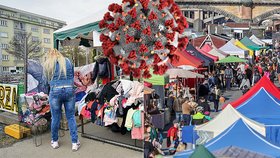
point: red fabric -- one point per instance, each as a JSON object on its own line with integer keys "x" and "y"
{"x": 214, "y": 40}
{"x": 205, "y": 49}
{"x": 187, "y": 59}
{"x": 265, "y": 83}
{"x": 148, "y": 84}
{"x": 172, "y": 132}
{"x": 107, "y": 80}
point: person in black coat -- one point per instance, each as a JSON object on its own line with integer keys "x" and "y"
{"x": 203, "y": 103}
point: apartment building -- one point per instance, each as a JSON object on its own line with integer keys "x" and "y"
{"x": 14, "y": 21}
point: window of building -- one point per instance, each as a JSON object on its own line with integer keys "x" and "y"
{"x": 3, "y": 23}
{"x": 34, "y": 29}
{"x": 47, "y": 40}
{"x": 43, "y": 21}
{"x": 5, "y": 69}
{"x": 35, "y": 39}
{"x": 4, "y": 34}
{"x": 18, "y": 58}
{"x": 37, "y": 49}
{"x": 191, "y": 14}
{"x": 5, "y": 57}
{"x": 4, "y": 46}
{"x": 19, "y": 68}
{"x": 19, "y": 25}
{"x": 46, "y": 50}
{"x": 47, "y": 31}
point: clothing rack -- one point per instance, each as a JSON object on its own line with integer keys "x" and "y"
{"x": 105, "y": 140}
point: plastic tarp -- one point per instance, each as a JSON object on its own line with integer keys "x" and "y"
{"x": 187, "y": 59}
{"x": 231, "y": 59}
{"x": 263, "y": 82}
{"x": 225, "y": 119}
{"x": 240, "y": 135}
{"x": 242, "y": 46}
{"x": 194, "y": 52}
{"x": 35, "y": 69}
{"x": 262, "y": 107}
{"x": 232, "y": 49}
{"x": 216, "y": 52}
{"x": 250, "y": 44}
{"x": 256, "y": 40}
{"x": 205, "y": 49}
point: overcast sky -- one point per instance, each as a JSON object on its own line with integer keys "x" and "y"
{"x": 66, "y": 10}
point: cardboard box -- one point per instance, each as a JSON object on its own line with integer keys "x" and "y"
{"x": 17, "y": 131}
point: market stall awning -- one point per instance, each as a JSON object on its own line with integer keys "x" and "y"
{"x": 187, "y": 59}
{"x": 216, "y": 52}
{"x": 242, "y": 46}
{"x": 265, "y": 83}
{"x": 205, "y": 49}
{"x": 250, "y": 44}
{"x": 82, "y": 27}
{"x": 181, "y": 73}
{"x": 232, "y": 49}
{"x": 157, "y": 80}
{"x": 231, "y": 59}
{"x": 256, "y": 40}
{"x": 194, "y": 52}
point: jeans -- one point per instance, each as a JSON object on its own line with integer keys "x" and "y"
{"x": 186, "y": 119}
{"x": 216, "y": 105}
{"x": 65, "y": 96}
{"x": 228, "y": 81}
{"x": 178, "y": 116}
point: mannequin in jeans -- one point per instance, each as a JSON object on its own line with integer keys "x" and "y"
{"x": 60, "y": 74}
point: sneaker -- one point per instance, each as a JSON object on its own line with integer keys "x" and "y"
{"x": 54, "y": 144}
{"x": 76, "y": 146}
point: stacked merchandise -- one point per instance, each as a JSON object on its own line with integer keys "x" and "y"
{"x": 35, "y": 110}
{"x": 118, "y": 105}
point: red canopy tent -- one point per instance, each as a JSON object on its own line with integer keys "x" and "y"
{"x": 187, "y": 59}
{"x": 205, "y": 49}
{"x": 263, "y": 82}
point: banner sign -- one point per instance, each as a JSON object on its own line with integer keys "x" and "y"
{"x": 8, "y": 98}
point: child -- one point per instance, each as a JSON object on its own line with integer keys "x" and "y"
{"x": 172, "y": 134}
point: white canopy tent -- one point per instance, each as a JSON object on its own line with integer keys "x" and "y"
{"x": 187, "y": 67}
{"x": 216, "y": 52}
{"x": 181, "y": 73}
{"x": 256, "y": 40}
{"x": 86, "y": 28}
{"x": 225, "y": 119}
{"x": 232, "y": 49}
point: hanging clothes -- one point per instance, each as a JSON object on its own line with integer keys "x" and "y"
{"x": 102, "y": 68}
{"x": 137, "y": 132}
{"x": 128, "y": 121}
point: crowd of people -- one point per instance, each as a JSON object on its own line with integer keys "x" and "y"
{"x": 195, "y": 109}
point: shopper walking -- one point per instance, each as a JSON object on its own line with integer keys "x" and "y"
{"x": 60, "y": 74}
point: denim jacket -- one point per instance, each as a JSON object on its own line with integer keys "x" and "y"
{"x": 63, "y": 80}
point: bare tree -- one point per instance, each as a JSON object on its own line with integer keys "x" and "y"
{"x": 17, "y": 46}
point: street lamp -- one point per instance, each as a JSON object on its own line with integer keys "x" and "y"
{"x": 25, "y": 42}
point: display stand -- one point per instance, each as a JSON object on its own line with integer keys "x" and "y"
{"x": 105, "y": 140}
